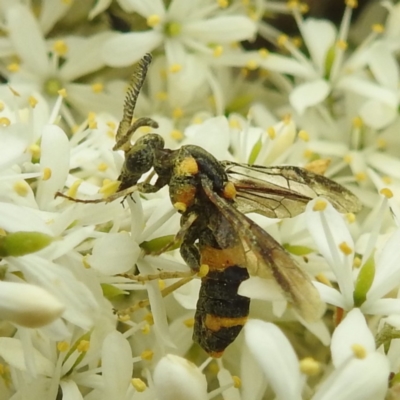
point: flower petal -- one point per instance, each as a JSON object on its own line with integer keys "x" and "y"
{"x": 27, "y": 39}
{"x": 176, "y": 378}
{"x": 309, "y": 94}
{"x": 126, "y": 49}
{"x": 352, "y": 330}
{"x": 221, "y": 29}
{"x": 273, "y": 351}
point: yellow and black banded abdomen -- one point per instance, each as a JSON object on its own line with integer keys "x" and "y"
{"x": 221, "y": 312}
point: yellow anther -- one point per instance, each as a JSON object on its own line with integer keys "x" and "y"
{"x": 345, "y": 248}
{"x": 203, "y": 270}
{"x": 124, "y": 318}
{"x": 308, "y": 154}
{"x": 359, "y": 351}
{"x": 176, "y": 134}
{"x": 34, "y": 149}
{"x": 292, "y": 4}
{"x": 189, "y": 322}
{"x": 62, "y": 93}
{"x": 264, "y": 53}
{"x": 386, "y": 192}
{"x": 177, "y": 113}
{"x": 378, "y": 28}
{"x": 252, "y": 65}
{"x": 111, "y": 124}
{"x": 162, "y": 96}
{"x": 357, "y": 262}
{"x": 320, "y": 205}
{"x": 1, "y": 106}
{"x": 351, "y": 3}
{"x": 287, "y": 119}
{"x": 297, "y": 41}
{"x": 323, "y": 279}
{"x": 62, "y": 346}
{"x": 21, "y": 188}
{"x": 217, "y": 51}
{"x": 83, "y": 346}
{"x": 351, "y": 218}
{"x": 237, "y": 382}
{"x": 73, "y": 190}
{"x": 348, "y": 158}
{"x": 146, "y": 329}
{"x": 4, "y": 121}
{"x": 145, "y": 129}
{"x": 138, "y": 384}
{"x": 174, "y": 68}
{"x": 161, "y": 284}
{"x": 282, "y": 40}
{"x": 147, "y": 355}
{"x": 149, "y": 318}
{"x": 223, "y": 3}
{"x": 110, "y": 134}
{"x": 271, "y": 132}
{"x": 361, "y": 176}
{"x": 153, "y": 20}
{"x": 60, "y": 47}
{"x": 13, "y": 67}
{"x": 304, "y": 8}
{"x": 97, "y": 87}
{"x": 303, "y": 135}
{"x": 32, "y": 101}
{"x": 85, "y": 261}
{"x": 357, "y": 122}
{"x": 92, "y": 125}
{"x": 310, "y": 367}
{"x": 109, "y": 187}
{"x": 102, "y": 167}
{"x": 234, "y": 123}
{"x": 342, "y": 44}
{"x": 46, "y": 174}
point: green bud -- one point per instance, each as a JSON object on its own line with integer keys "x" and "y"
{"x": 18, "y": 244}
{"x": 297, "y": 250}
{"x": 364, "y": 281}
{"x": 255, "y": 151}
{"x": 157, "y": 244}
{"x": 110, "y": 291}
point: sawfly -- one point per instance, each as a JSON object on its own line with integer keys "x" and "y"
{"x": 213, "y": 196}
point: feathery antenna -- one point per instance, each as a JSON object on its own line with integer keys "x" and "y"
{"x": 126, "y": 129}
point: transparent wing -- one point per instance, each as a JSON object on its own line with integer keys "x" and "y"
{"x": 266, "y": 258}
{"x": 283, "y": 192}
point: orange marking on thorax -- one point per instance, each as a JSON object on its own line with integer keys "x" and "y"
{"x": 188, "y": 166}
{"x": 222, "y": 258}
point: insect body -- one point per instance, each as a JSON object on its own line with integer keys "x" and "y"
{"x": 212, "y": 197}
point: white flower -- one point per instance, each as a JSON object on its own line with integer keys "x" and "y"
{"x": 28, "y": 305}
{"x": 378, "y": 273}
{"x": 69, "y": 59}
{"x": 276, "y": 357}
{"x": 176, "y": 378}
{"x": 185, "y": 31}
{"x": 360, "y": 372}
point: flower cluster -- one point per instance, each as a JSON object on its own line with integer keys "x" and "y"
{"x": 108, "y": 313}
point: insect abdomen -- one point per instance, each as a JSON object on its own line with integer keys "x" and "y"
{"x": 221, "y": 312}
